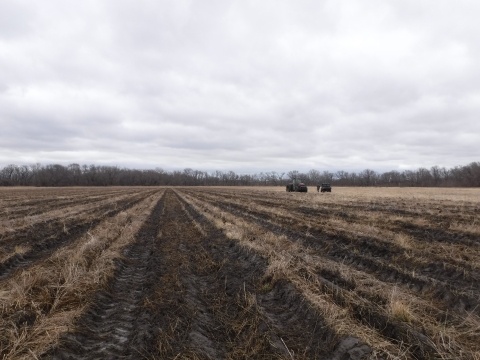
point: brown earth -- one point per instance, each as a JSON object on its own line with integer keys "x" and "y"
{"x": 229, "y": 273}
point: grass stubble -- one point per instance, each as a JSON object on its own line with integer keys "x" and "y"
{"x": 42, "y": 302}
{"x": 450, "y": 335}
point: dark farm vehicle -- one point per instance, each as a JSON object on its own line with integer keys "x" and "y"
{"x": 297, "y": 186}
{"x": 324, "y": 188}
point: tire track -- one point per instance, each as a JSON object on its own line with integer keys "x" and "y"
{"x": 449, "y": 283}
{"x": 81, "y": 208}
{"x": 261, "y": 320}
{"x": 34, "y": 207}
{"x": 59, "y": 287}
{"x": 191, "y": 292}
{"x": 365, "y": 308}
{"x": 436, "y": 231}
{"x": 44, "y": 207}
{"x": 343, "y": 299}
{"x": 114, "y": 321}
{"x": 44, "y": 241}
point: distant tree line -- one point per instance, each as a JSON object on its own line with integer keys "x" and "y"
{"x": 95, "y": 175}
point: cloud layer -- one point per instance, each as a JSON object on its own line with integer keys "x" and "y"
{"x": 240, "y": 85}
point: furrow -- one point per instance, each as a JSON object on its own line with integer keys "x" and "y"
{"x": 366, "y": 306}
{"x": 43, "y": 243}
{"x": 458, "y": 286}
{"x": 111, "y": 324}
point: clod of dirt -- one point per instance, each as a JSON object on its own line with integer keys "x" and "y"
{"x": 350, "y": 348}
{"x": 24, "y": 318}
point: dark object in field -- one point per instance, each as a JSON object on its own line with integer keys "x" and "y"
{"x": 325, "y": 187}
{"x": 296, "y": 186}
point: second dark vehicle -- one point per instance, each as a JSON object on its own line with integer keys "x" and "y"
{"x": 324, "y": 188}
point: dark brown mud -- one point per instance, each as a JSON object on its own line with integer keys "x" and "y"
{"x": 456, "y": 275}
{"x": 44, "y": 239}
{"x": 36, "y": 207}
{"x": 437, "y": 231}
{"x": 449, "y": 287}
{"x": 184, "y": 290}
{"x": 25, "y": 235}
{"x": 115, "y": 319}
{"x": 437, "y": 234}
{"x": 437, "y": 212}
{"x": 262, "y": 320}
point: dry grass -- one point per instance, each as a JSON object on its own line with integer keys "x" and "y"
{"x": 378, "y": 224}
{"x": 457, "y": 195}
{"x": 44, "y": 301}
{"x": 299, "y": 265}
{"x": 284, "y": 265}
{"x": 17, "y": 250}
{"x": 72, "y": 211}
{"x": 404, "y": 241}
{"x": 52, "y": 294}
{"x": 399, "y": 309}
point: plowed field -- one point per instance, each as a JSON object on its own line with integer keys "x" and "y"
{"x": 239, "y": 273}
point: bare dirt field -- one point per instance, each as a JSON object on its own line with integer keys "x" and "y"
{"x": 239, "y": 273}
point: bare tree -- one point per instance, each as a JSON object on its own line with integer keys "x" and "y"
{"x": 92, "y": 175}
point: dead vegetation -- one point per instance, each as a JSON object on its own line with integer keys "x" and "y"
{"x": 43, "y": 301}
{"x": 389, "y": 286}
{"x": 229, "y": 273}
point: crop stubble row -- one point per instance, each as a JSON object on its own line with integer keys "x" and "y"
{"x": 456, "y": 264}
{"x": 43, "y": 204}
{"x": 42, "y": 239}
{"x": 432, "y": 297}
{"x": 14, "y": 219}
{"x": 213, "y": 275}
{"x": 42, "y": 301}
{"x": 193, "y": 293}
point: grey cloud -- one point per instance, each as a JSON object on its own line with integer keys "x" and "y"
{"x": 15, "y": 20}
{"x": 241, "y": 86}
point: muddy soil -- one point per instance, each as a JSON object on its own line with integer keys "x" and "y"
{"x": 35, "y": 207}
{"x": 393, "y": 203}
{"x": 453, "y": 276}
{"x": 384, "y": 259}
{"x": 362, "y": 305}
{"x": 43, "y": 239}
{"x": 184, "y": 290}
{"x": 108, "y": 327}
{"x": 437, "y": 215}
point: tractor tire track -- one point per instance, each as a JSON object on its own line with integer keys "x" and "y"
{"x": 184, "y": 290}
{"x": 34, "y": 207}
{"x": 437, "y": 231}
{"x": 273, "y": 314}
{"x": 450, "y": 283}
{"x": 362, "y": 308}
{"x": 45, "y": 241}
{"x": 114, "y": 323}
{"x": 9, "y": 239}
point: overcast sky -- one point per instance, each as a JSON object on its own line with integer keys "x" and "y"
{"x": 240, "y": 85}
